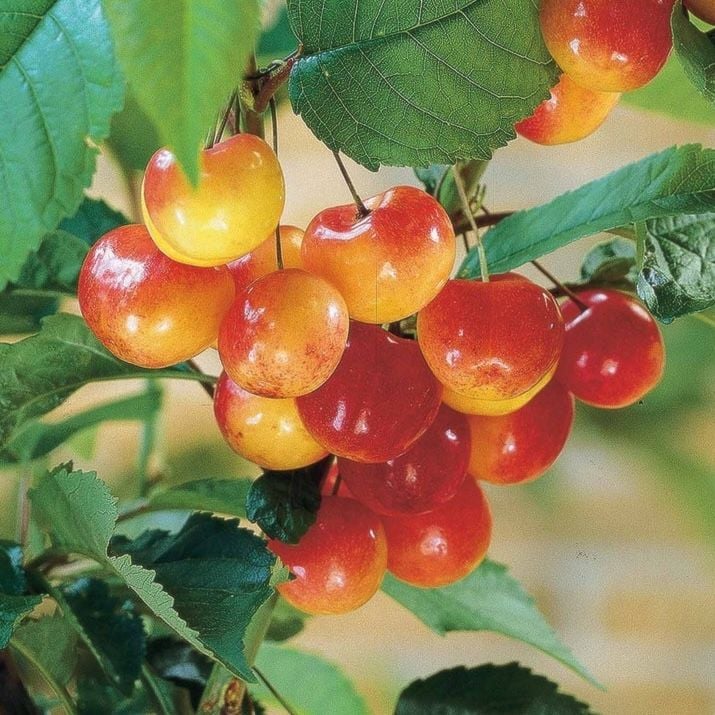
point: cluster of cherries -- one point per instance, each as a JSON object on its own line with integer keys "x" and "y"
{"x": 604, "y": 48}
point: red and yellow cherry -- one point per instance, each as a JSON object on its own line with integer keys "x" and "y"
{"x": 492, "y": 341}
{"x": 704, "y": 9}
{"x": 143, "y": 306}
{"x": 521, "y": 446}
{"x": 606, "y": 45}
{"x": 427, "y": 475}
{"x": 262, "y": 259}
{"x": 571, "y": 113}
{"x": 237, "y": 203}
{"x": 389, "y": 263}
{"x": 284, "y": 334}
{"x": 378, "y": 402}
{"x": 443, "y": 546}
{"x": 339, "y": 563}
{"x": 613, "y": 352}
{"x": 264, "y": 431}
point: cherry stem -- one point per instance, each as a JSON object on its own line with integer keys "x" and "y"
{"x": 208, "y": 389}
{"x": 362, "y": 209}
{"x": 224, "y": 120}
{"x": 337, "y": 484}
{"x": 561, "y": 286}
{"x": 284, "y": 704}
{"x": 274, "y": 131}
{"x": 272, "y": 78}
{"x": 467, "y": 210}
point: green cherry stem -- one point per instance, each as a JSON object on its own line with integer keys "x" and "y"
{"x": 362, "y": 209}
{"x": 283, "y": 702}
{"x": 467, "y": 210}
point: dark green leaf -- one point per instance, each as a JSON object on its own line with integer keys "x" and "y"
{"x": 284, "y": 504}
{"x": 414, "y": 83}
{"x": 439, "y": 181}
{"x": 110, "y": 627}
{"x": 696, "y": 52}
{"x": 678, "y": 272}
{"x": 59, "y": 84}
{"x": 286, "y": 621}
{"x": 13, "y": 604}
{"x": 20, "y": 314}
{"x": 612, "y": 261}
{"x": 223, "y": 496}
{"x": 96, "y": 696}
{"x": 133, "y": 138}
{"x": 677, "y": 180}
{"x": 310, "y": 684}
{"x": 195, "y": 54}
{"x": 487, "y": 690}
{"x": 178, "y": 662}
{"x": 92, "y": 220}
{"x": 489, "y": 599}
{"x": 53, "y": 646}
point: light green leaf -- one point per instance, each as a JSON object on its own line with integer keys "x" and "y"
{"x": 223, "y": 496}
{"x": 311, "y": 685}
{"x": 414, "y": 83}
{"x": 92, "y": 220}
{"x": 677, "y": 180}
{"x": 286, "y": 621}
{"x": 696, "y": 52}
{"x": 611, "y": 261}
{"x": 183, "y": 59}
{"x": 59, "y": 85}
{"x": 133, "y": 138}
{"x": 489, "y": 599}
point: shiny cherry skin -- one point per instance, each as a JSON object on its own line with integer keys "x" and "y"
{"x": 339, "y": 563}
{"x": 380, "y": 399}
{"x": 237, "y": 203}
{"x": 571, "y": 113}
{"x": 143, "y": 306}
{"x": 704, "y": 9}
{"x": 607, "y": 45}
{"x": 264, "y": 431}
{"x": 443, "y": 546}
{"x": 262, "y": 260}
{"x": 284, "y": 334}
{"x": 389, "y": 263}
{"x": 427, "y": 475}
{"x": 613, "y": 352}
{"x": 493, "y": 341}
{"x": 522, "y": 445}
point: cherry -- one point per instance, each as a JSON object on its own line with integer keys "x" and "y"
{"x": 266, "y": 432}
{"x": 571, "y": 113}
{"x": 262, "y": 259}
{"x": 237, "y": 203}
{"x": 704, "y": 9}
{"x": 380, "y": 399}
{"x": 606, "y": 45}
{"x": 339, "y": 563}
{"x": 389, "y": 263}
{"x": 521, "y": 446}
{"x": 427, "y": 475}
{"x": 613, "y": 352}
{"x": 493, "y": 341}
{"x": 284, "y": 334}
{"x": 443, "y": 546}
{"x": 143, "y": 306}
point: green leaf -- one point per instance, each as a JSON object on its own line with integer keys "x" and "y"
{"x": 59, "y": 84}
{"x": 277, "y": 39}
{"x": 439, "y": 181}
{"x": 134, "y": 138}
{"x": 178, "y": 662}
{"x": 40, "y": 372}
{"x": 677, "y": 276}
{"x": 612, "y": 261}
{"x": 677, "y": 180}
{"x": 286, "y": 621}
{"x": 110, "y": 627}
{"x": 13, "y": 603}
{"x": 223, "y": 496}
{"x": 696, "y": 52}
{"x": 486, "y": 690}
{"x": 489, "y": 599}
{"x": 285, "y": 504}
{"x": 196, "y": 53}
{"x": 92, "y": 220}
{"x": 414, "y": 83}
{"x": 20, "y": 314}
{"x": 311, "y": 685}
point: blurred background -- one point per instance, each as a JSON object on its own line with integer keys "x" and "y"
{"x": 617, "y": 542}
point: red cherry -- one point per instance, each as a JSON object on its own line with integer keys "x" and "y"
{"x": 427, "y": 475}
{"x": 613, "y": 352}
{"x": 441, "y": 547}
{"x": 339, "y": 563}
{"x": 522, "y": 445}
{"x": 380, "y": 399}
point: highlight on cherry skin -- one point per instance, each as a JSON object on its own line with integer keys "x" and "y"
{"x": 339, "y": 563}
{"x": 608, "y": 46}
{"x": 613, "y": 352}
{"x": 570, "y": 114}
{"x": 703, "y": 9}
{"x": 389, "y": 263}
{"x": 443, "y": 546}
{"x": 427, "y": 475}
{"x": 525, "y": 330}
{"x": 236, "y": 204}
{"x": 521, "y": 446}
{"x": 380, "y": 399}
{"x": 268, "y": 432}
{"x": 284, "y": 335}
{"x": 142, "y": 305}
